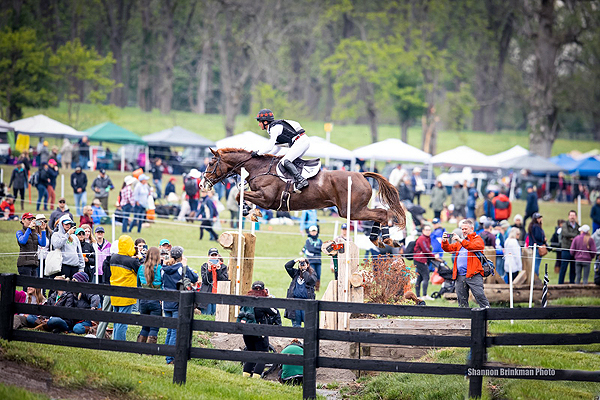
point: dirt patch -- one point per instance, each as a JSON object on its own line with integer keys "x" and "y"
{"x": 37, "y": 380}
{"x": 328, "y": 348}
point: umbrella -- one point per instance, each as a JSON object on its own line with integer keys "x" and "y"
{"x": 545, "y": 288}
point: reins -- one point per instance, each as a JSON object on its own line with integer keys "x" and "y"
{"x": 235, "y": 167}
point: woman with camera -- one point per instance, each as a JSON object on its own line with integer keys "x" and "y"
{"x": 150, "y": 277}
{"x": 302, "y": 286}
{"x": 28, "y": 240}
{"x": 211, "y": 272}
{"x": 64, "y": 239}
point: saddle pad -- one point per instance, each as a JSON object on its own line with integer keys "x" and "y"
{"x": 309, "y": 168}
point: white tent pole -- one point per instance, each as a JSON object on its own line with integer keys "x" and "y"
{"x": 1, "y": 175}
{"x": 579, "y": 209}
{"x": 430, "y": 177}
{"x": 96, "y": 279}
{"x": 123, "y": 159}
{"x": 510, "y": 283}
{"x": 335, "y": 229}
{"x": 113, "y": 223}
{"x": 532, "y": 275}
{"x": 62, "y": 185}
{"x": 347, "y": 279}
{"x": 547, "y": 183}
{"x": 513, "y": 182}
{"x": 238, "y": 271}
{"x": 147, "y": 159}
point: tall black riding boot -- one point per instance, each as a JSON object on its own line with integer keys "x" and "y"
{"x": 300, "y": 182}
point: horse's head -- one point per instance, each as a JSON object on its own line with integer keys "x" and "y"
{"x": 225, "y": 162}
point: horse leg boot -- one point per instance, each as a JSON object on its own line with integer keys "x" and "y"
{"x": 385, "y": 234}
{"x": 374, "y": 236}
{"x": 300, "y": 182}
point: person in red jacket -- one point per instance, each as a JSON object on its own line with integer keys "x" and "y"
{"x": 423, "y": 253}
{"x": 502, "y": 206}
{"x": 467, "y": 271}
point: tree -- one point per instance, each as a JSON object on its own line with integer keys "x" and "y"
{"x": 409, "y": 98}
{"x": 77, "y": 65}
{"x": 25, "y": 79}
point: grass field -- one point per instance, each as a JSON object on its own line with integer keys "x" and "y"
{"x": 275, "y": 245}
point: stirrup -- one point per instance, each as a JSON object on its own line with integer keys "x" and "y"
{"x": 301, "y": 184}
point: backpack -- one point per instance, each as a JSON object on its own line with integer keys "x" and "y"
{"x": 274, "y": 319}
{"x": 35, "y": 178}
{"x": 502, "y": 205}
{"x": 191, "y": 187}
{"x": 409, "y": 250}
{"x": 487, "y": 264}
{"x": 184, "y": 283}
{"x": 246, "y": 315}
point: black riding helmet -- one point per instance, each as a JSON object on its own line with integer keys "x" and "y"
{"x": 265, "y": 115}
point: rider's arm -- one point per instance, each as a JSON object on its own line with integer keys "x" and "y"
{"x": 273, "y": 132}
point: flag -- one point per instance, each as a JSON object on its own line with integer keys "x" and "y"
{"x": 545, "y": 288}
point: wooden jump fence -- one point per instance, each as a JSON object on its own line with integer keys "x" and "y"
{"x": 310, "y": 333}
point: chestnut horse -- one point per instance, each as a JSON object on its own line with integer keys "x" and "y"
{"x": 326, "y": 189}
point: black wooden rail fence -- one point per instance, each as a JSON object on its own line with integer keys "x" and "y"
{"x": 311, "y": 334}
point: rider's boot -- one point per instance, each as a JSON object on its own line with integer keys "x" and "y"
{"x": 300, "y": 182}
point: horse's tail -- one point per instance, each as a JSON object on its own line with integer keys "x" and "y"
{"x": 389, "y": 197}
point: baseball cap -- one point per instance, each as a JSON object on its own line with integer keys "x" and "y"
{"x": 102, "y": 171}
{"x": 435, "y": 221}
{"x": 143, "y": 177}
{"x": 164, "y": 241}
{"x": 51, "y": 162}
{"x": 536, "y": 215}
{"x": 344, "y": 226}
{"x": 584, "y": 228}
{"x": 505, "y": 224}
{"x": 313, "y": 228}
{"x": 482, "y": 219}
{"x": 100, "y": 229}
{"x": 258, "y": 285}
{"x": 78, "y": 231}
{"x": 129, "y": 180}
{"x": 27, "y": 216}
{"x": 213, "y": 250}
{"x": 177, "y": 252}
{"x": 529, "y": 185}
{"x": 40, "y": 217}
{"x": 68, "y": 221}
{"x": 172, "y": 179}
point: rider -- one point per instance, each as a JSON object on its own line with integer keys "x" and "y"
{"x": 284, "y": 133}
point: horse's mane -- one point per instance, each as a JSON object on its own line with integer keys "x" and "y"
{"x": 236, "y": 150}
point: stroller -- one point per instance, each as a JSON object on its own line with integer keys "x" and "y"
{"x": 445, "y": 272}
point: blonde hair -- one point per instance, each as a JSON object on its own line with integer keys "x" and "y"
{"x": 86, "y": 209}
{"x": 92, "y": 237}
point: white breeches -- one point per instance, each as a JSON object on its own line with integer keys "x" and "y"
{"x": 297, "y": 149}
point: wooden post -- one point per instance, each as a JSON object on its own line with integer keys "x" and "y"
{"x": 247, "y": 262}
{"x": 478, "y": 332}
{"x": 311, "y": 349}
{"x": 7, "y": 302}
{"x": 347, "y": 265}
{"x": 233, "y": 266}
{"x": 184, "y": 336}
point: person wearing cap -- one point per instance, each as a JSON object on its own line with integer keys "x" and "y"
{"x": 302, "y": 286}
{"x": 583, "y": 249}
{"x": 518, "y": 224}
{"x": 489, "y": 239}
{"x": 211, "y": 272}
{"x": 312, "y": 252}
{"x": 52, "y": 174}
{"x": 437, "y": 231}
{"x": 101, "y": 186}
{"x": 87, "y": 249}
{"x": 149, "y": 277}
{"x": 123, "y": 272}
{"x": 260, "y": 315}
{"x": 536, "y": 235}
{"x": 28, "y": 241}
{"x": 308, "y": 219}
{"x": 40, "y": 227}
{"x": 532, "y": 203}
{"x": 165, "y": 250}
{"x": 19, "y": 182}
{"x": 7, "y": 208}
{"x": 208, "y": 215}
{"x": 171, "y": 274}
{"x": 102, "y": 248}
{"x": 79, "y": 183}
{"x": 568, "y": 232}
{"x": 64, "y": 239}
{"x": 467, "y": 271}
{"x": 423, "y": 254}
{"x": 140, "y": 198}
{"x": 418, "y": 187}
{"x": 170, "y": 187}
{"x": 126, "y": 202}
{"x": 85, "y": 301}
{"x": 61, "y": 210}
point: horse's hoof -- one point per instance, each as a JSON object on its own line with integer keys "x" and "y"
{"x": 378, "y": 243}
{"x": 389, "y": 242}
{"x": 258, "y": 213}
{"x": 253, "y": 218}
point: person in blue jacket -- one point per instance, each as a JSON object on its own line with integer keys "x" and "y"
{"x": 170, "y": 275}
{"x": 472, "y": 203}
{"x": 436, "y": 239}
{"x": 308, "y": 219}
{"x": 312, "y": 251}
{"x": 29, "y": 240}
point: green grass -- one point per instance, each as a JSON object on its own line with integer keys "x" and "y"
{"x": 348, "y": 135}
{"x": 9, "y": 392}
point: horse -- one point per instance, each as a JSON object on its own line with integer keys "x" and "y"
{"x": 326, "y": 189}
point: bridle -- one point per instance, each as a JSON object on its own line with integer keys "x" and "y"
{"x": 219, "y": 178}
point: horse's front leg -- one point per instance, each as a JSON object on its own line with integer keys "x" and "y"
{"x": 251, "y": 197}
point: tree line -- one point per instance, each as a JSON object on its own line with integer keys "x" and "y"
{"x": 484, "y": 65}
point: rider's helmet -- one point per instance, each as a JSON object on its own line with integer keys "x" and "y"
{"x": 265, "y": 115}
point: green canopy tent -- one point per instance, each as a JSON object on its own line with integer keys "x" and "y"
{"x": 113, "y": 133}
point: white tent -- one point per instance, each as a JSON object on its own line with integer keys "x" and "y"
{"x": 464, "y": 156}
{"x": 5, "y": 126}
{"x": 43, "y": 126}
{"x": 513, "y": 152}
{"x": 391, "y": 149}
{"x": 321, "y": 148}
{"x": 246, "y": 140}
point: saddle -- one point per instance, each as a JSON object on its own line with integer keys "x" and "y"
{"x": 308, "y": 168}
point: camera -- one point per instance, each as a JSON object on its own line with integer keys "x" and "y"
{"x": 302, "y": 263}
{"x": 38, "y": 223}
{"x": 445, "y": 235}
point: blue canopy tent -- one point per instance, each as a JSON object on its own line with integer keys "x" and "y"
{"x": 589, "y": 166}
{"x": 564, "y": 160}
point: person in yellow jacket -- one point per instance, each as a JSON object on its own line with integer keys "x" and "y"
{"x": 123, "y": 272}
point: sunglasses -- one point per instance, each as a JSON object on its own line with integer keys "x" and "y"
{"x": 213, "y": 255}
{"x": 62, "y": 202}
